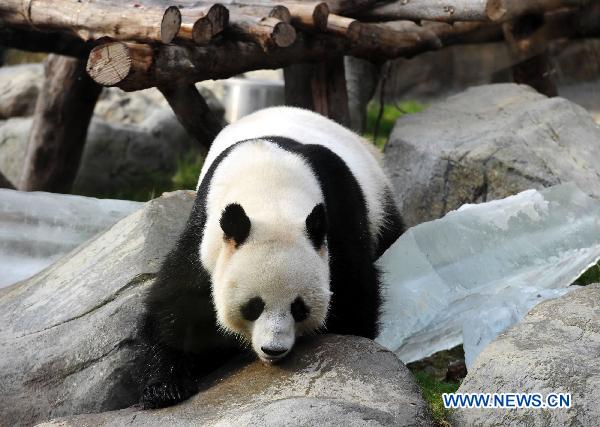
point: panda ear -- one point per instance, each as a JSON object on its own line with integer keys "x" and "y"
{"x": 316, "y": 225}
{"x": 235, "y": 223}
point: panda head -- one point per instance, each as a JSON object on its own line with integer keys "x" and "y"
{"x": 271, "y": 279}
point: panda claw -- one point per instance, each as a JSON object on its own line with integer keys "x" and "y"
{"x": 160, "y": 395}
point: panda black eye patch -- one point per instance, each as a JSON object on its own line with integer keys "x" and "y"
{"x": 253, "y": 309}
{"x": 299, "y": 310}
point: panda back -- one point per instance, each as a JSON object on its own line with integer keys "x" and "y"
{"x": 307, "y": 127}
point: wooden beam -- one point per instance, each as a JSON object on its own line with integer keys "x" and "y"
{"x": 341, "y": 7}
{"x": 506, "y": 10}
{"x": 527, "y": 42}
{"x": 134, "y": 66}
{"x": 37, "y": 41}
{"x": 201, "y": 24}
{"x": 310, "y": 15}
{"x": 62, "y": 114}
{"x": 330, "y": 95}
{"x": 170, "y": 24}
{"x": 193, "y": 113}
{"x": 87, "y": 20}
{"x": 430, "y": 10}
{"x": 320, "y": 87}
{"x": 298, "y": 87}
{"x": 268, "y": 32}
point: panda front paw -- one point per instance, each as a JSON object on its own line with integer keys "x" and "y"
{"x": 162, "y": 394}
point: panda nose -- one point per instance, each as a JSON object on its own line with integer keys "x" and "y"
{"x": 273, "y": 351}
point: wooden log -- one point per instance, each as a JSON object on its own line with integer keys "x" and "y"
{"x": 528, "y": 44}
{"x": 505, "y": 10}
{"x": 62, "y": 114}
{"x": 341, "y": 7}
{"x": 138, "y": 67}
{"x": 113, "y": 62}
{"x": 88, "y": 20}
{"x": 370, "y": 40}
{"x": 37, "y": 41}
{"x": 310, "y": 15}
{"x": 319, "y": 87}
{"x": 193, "y": 113}
{"x": 343, "y": 26}
{"x": 406, "y": 39}
{"x": 170, "y": 24}
{"x": 282, "y": 13}
{"x": 430, "y": 10}
{"x": 330, "y": 95}
{"x": 277, "y": 11}
{"x": 268, "y": 32}
{"x": 201, "y": 24}
{"x": 5, "y": 183}
{"x": 298, "y": 87}
{"x": 142, "y": 67}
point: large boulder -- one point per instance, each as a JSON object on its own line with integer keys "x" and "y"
{"x": 117, "y": 157}
{"x": 37, "y": 228}
{"x": 554, "y": 349}
{"x": 487, "y": 143}
{"x": 328, "y": 380}
{"x": 70, "y": 344}
{"x": 69, "y": 335}
{"x": 19, "y": 88}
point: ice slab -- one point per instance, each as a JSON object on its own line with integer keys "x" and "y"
{"x": 468, "y": 276}
{"x": 37, "y": 228}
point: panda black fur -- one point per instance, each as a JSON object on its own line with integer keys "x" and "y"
{"x": 333, "y": 217}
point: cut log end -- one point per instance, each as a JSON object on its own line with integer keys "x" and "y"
{"x": 312, "y": 15}
{"x": 320, "y": 15}
{"x": 218, "y": 15}
{"x": 283, "y": 34}
{"x": 343, "y": 26}
{"x": 282, "y": 13}
{"x": 171, "y": 22}
{"x": 109, "y": 63}
{"x": 215, "y": 21}
{"x": 202, "y": 31}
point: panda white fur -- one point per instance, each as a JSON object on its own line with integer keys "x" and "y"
{"x": 292, "y": 211}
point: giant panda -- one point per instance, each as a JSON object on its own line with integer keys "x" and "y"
{"x": 291, "y": 213}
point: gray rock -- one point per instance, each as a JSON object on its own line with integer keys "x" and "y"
{"x": 117, "y": 106}
{"x": 70, "y": 345}
{"x": 362, "y": 77}
{"x": 554, "y": 349}
{"x": 488, "y": 143}
{"x": 115, "y": 157}
{"x": 19, "y": 88}
{"x": 118, "y": 157}
{"x": 13, "y": 145}
{"x": 69, "y": 335}
{"x": 328, "y": 380}
{"x": 37, "y": 228}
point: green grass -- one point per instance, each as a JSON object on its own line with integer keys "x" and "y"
{"x": 390, "y": 114}
{"x": 185, "y": 177}
{"x": 187, "y": 172}
{"x": 15, "y": 57}
{"x": 432, "y": 390}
